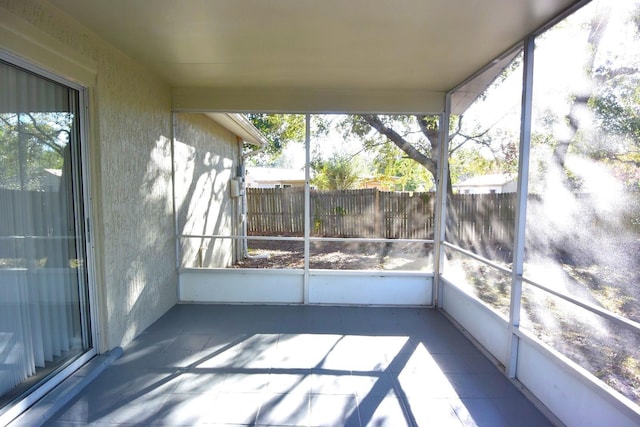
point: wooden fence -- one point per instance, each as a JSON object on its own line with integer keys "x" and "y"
{"x": 381, "y": 214}
{"x": 482, "y": 218}
{"x": 35, "y": 225}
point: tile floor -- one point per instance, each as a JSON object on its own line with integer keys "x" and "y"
{"x": 300, "y": 366}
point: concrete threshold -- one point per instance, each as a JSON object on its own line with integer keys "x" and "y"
{"x": 67, "y": 390}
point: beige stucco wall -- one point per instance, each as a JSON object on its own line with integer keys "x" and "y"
{"x": 205, "y": 158}
{"x": 130, "y": 162}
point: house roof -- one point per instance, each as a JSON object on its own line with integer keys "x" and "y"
{"x": 490, "y": 180}
{"x": 308, "y": 55}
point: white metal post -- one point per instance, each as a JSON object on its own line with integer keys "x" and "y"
{"x": 176, "y": 226}
{"x": 307, "y": 204}
{"x": 521, "y": 207}
{"x": 442, "y": 181}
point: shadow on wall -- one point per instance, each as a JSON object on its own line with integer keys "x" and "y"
{"x": 149, "y": 241}
{"x": 204, "y": 166}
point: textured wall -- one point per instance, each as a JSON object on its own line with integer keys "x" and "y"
{"x": 206, "y": 162}
{"x": 131, "y": 178}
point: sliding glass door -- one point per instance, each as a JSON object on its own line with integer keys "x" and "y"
{"x": 44, "y": 310}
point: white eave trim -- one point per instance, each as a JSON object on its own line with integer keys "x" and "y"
{"x": 240, "y": 126}
{"x": 25, "y": 42}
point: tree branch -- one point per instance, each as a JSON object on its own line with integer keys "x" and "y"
{"x": 603, "y": 74}
{"x": 393, "y": 136}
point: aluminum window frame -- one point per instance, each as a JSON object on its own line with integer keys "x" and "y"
{"x": 90, "y": 312}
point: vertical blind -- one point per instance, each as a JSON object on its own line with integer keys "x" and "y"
{"x": 42, "y": 278}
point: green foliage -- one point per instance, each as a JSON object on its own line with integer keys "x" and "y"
{"x": 30, "y": 144}
{"x": 337, "y": 173}
{"x": 469, "y": 162}
{"x": 617, "y": 109}
{"x": 412, "y": 176}
{"x": 340, "y": 211}
{"x": 406, "y": 126}
{"x": 280, "y": 130}
{"x": 405, "y": 173}
{"x": 403, "y": 147}
{"x": 601, "y": 120}
{"x": 635, "y": 19}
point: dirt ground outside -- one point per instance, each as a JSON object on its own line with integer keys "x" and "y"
{"x": 340, "y": 255}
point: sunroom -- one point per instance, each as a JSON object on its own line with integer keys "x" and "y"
{"x": 149, "y": 278}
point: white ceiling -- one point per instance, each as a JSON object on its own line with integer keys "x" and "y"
{"x": 429, "y": 45}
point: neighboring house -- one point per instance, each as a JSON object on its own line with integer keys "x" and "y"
{"x": 488, "y": 184}
{"x": 41, "y": 180}
{"x": 382, "y": 183}
{"x": 51, "y": 179}
{"x": 263, "y": 177}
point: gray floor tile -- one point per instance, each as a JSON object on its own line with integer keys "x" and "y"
{"x": 345, "y": 383}
{"x": 386, "y": 412}
{"x": 300, "y": 366}
{"x": 518, "y": 410}
{"x": 464, "y": 363}
{"x": 245, "y": 382}
{"x": 480, "y": 413}
{"x": 432, "y": 412}
{"x": 290, "y": 381}
{"x": 334, "y": 410}
{"x": 185, "y": 410}
{"x": 235, "y": 408}
{"x": 200, "y": 383}
{"x": 189, "y": 342}
{"x": 284, "y": 409}
{"x": 480, "y": 386}
{"x": 138, "y": 410}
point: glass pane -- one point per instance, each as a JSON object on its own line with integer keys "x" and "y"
{"x": 43, "y": 324}
{"x": 608, "y": 350}
{"x": 275, "y": 211}
{"x": 488, "y": 284}
{"x": 273, "y": 254}
{"x": 483, "y": 161}
{"x": 373, "y": 177}
{"x": 275, "y": 183}
{"x": 227, "y": 192}
{"x": 370, "y": 212}
{"x": 354, "y": 255}
{"x": 583, "y": 234}
{"x": 362, "y": 185}
{"x": 205, "y": 171}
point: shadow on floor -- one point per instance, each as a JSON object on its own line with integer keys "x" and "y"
{"x": 301, "y": 366}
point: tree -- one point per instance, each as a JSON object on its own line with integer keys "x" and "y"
{"x": 417, "y": 138}
{"x": 612, "y": 98}
{"x": 400, "y": 172}
{"x": 279, "y": 130}
{"x": 29, "y": 144}
{"x": 403, "y": 146}
{"x": 337, "y": 173}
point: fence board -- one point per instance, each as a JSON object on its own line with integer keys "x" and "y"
{"x": 341, "y": 213}
{"x": 385, "y": 214}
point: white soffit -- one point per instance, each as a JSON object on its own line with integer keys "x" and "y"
{"x": 465, "y": 94}
{"x": 357, "y": 45}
